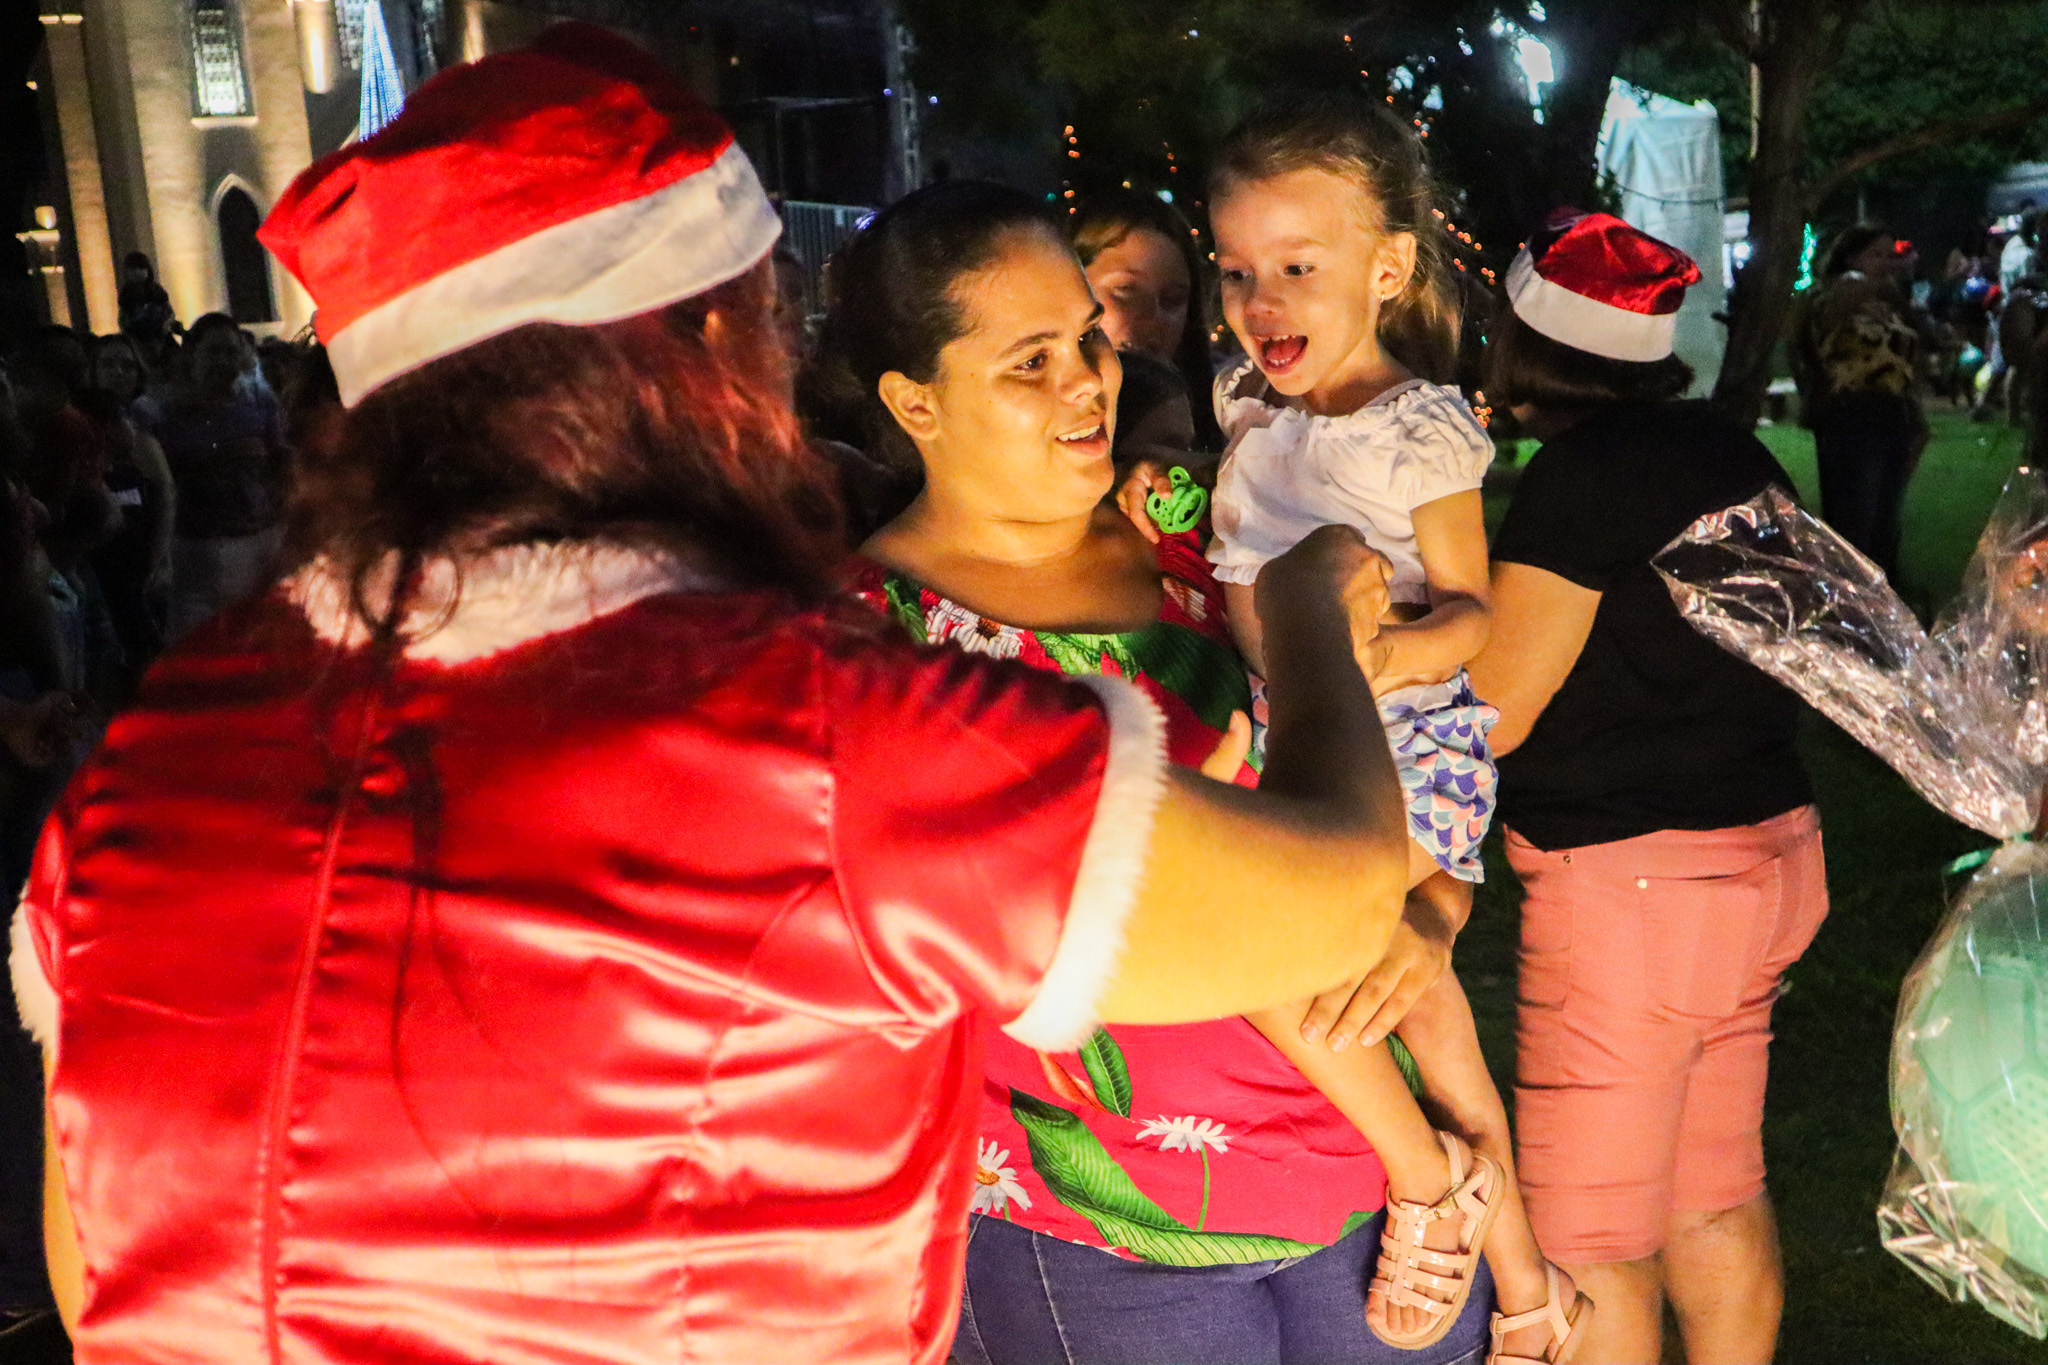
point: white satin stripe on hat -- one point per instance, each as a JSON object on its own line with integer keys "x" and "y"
{"x": 683, "y": 239}
{"x": 1586, "y": 323}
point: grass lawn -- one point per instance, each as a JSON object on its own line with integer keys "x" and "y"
{"x": 1827, "y": 1128}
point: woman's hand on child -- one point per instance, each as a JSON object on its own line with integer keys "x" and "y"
{"x": 1330, "y": 555}
{"x": 1361, "y": 572}
{"x": 1367, "y": 1011}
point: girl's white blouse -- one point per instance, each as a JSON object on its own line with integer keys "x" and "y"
{"x": 1286, "y": 472}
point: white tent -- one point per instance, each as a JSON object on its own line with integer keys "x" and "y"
{"x": 1664, "y": 158}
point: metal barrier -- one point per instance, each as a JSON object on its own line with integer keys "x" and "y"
{"x": 814, "y": 232}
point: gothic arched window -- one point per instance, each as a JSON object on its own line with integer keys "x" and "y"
{"x": 241, "y": 256}
{"x": 219, "y": 88}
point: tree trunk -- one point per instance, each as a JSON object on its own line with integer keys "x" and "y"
{"x": 1577, "y": 103}
{"x": 1589, "y": 39}
{"x": 1789, "y": 63}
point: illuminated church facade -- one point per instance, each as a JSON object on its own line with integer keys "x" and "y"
{"x": 172, "y": 126}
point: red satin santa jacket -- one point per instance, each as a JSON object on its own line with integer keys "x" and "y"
{"x": 608, "y": 998}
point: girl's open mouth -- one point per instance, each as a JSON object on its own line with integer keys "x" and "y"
{"x": 1278, "y": 354}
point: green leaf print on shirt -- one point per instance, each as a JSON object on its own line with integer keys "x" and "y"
{"x": 1404, "y": 1062}
{"x": 1198, "y": 670}
{"x": 1082, "y": 1175}
{"x": 1108, "y": 1072}
{"x": 906, "y": 605}
{"x": 1203, "y": 673}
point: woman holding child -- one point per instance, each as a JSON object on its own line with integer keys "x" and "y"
{"x": 1232, "y": 1164}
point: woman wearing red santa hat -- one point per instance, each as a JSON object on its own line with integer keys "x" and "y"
{"x": 547, "y": 929}
{"x": 1657, "y": 813}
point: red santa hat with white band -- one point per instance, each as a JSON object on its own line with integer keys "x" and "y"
{"x": 573, "y": 180}
{"x": 1594, "y": 283}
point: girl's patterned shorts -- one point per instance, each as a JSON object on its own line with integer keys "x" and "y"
{"x": 1438, "y": 734}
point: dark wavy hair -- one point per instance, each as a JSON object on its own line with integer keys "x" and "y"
{"x": 1848, "y": 244}
{"x": 890, "y": 304}
{"x": 658, "y": 430}
{"x": 1526, "y": 367}
{"x": 1102, "y": 221}
{"x": 1368, "y": 144}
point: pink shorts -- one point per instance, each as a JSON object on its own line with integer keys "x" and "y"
{"x": 1648, "y": 971}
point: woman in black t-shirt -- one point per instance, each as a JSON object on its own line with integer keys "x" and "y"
{"x": 1657, "y": 816}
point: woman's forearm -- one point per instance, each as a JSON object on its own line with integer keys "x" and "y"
{"x": 60, "y": 1238}
{"x": 1325, "y": 745}
{"x": 1253, "y": 898}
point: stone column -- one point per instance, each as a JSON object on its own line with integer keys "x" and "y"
{"x": 65, "y": 37}
{"x": 319, "y": 44}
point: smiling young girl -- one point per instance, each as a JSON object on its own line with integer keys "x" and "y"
{"x": 1336, "y": 278}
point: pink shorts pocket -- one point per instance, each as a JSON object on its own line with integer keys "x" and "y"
{"x": 1545, "y": 972}
{"x": 1705, "y": 937}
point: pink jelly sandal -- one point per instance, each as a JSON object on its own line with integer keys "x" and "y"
{"x": 1567, "y": 1329}
{"x": 1407, "y": 1267}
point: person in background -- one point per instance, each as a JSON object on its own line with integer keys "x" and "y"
{"x": 66, "y": 452}
{"x": 40, "y": 735}
{"x": 254, "y": 379}
{"x": 277, "y": 360}
{"x": 790, "y": 303}
{"x": 145, "y": 309}
{"x": 29, "y": 655}
{"x": 1657, "y": 815}
{"x": 133, "y": 563}
{"x": 227, "y": 455}
{"x": 1856, "y": 354}
{"x": 117, "y": 368}
{"x": 64, "y": 352}
{"x": 1154, "y": 412}
{"x": 2016, "y": 257}
{"x": 1145, "y": 264}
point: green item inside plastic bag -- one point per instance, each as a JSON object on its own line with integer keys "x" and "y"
{"x": 1181, "y": 509}
{"x": 1980, "y": 1034}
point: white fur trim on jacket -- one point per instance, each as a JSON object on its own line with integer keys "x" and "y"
{"x": 1587, "y": 324}
{"x": 685, "y": 238}
{"x": 34, "y": 1000}
{"x": 1063, "y": 1012}
{"x": 508, "y": 596}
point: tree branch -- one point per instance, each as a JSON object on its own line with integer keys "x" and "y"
{"x": 1933, "y": 135}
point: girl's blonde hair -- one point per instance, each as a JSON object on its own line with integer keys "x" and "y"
{"x": 1368, "y": 144}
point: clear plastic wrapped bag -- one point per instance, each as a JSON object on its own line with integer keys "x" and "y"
{"x": 1961, "y": 712}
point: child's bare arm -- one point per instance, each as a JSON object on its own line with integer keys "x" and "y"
{"x": 1244, "y": 625}
{"x": 1363, "y": 1084}
{"x": 1450, "y": 535}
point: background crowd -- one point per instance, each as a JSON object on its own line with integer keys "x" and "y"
{"x": 142, "y": 481}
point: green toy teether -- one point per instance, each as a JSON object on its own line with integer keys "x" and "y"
{"x": 1179, "y": 510}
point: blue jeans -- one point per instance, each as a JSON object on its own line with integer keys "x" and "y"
{"x": 1037, "y": 1300}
